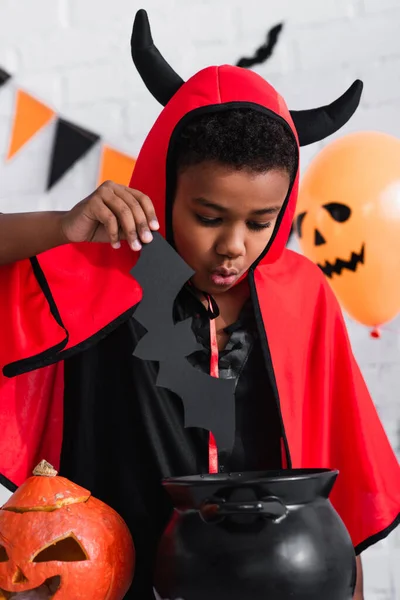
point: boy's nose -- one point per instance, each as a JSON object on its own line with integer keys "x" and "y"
{"x": 231, "y": 246}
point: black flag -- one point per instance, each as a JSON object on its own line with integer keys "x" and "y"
{"x": 70, "y": 144}
{"x": 4, "y": 76}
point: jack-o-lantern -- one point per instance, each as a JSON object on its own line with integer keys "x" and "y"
{"x": 348, "y": 223}
{"x": 57, "y": 541}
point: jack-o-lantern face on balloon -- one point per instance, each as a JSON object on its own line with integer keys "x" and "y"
{"x": 348, "y": 223}
{"x": 339, "y": 213}
{"x": 57, "y": 541}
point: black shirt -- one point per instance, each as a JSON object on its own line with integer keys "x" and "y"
{"x": 123, "y": 435}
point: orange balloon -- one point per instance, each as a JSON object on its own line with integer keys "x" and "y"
{"x": 348, "y": 223}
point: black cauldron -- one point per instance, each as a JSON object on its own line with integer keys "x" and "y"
{"x": 255, "y": 536}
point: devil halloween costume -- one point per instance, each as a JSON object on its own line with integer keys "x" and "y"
{"x": 73, "y": 392}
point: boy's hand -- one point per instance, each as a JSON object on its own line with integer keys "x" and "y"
{"x": 112, "y": 213}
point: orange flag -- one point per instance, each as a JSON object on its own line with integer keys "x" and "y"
{"x": 115, "y": 166}
{"x": 30, "y": 116}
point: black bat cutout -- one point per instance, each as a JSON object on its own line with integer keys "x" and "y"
{"x": 167, "y": 341}
{"x": 263, "y": 52}
{"x": 209, "y": 402}
{"x": 162, "y": 273}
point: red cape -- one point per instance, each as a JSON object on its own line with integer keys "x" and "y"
{"x": 64, "y": 300}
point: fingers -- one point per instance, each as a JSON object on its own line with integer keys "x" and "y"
{"x": 140, "y": 229}
{"x": 107, "y": 218}
{"x": 130, "y": 219}
{"x": 147, "y": 207}
{"x": 133, "y": 212}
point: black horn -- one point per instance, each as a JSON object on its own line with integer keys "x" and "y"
{"x": 318, "y": 123}
{"x": 159, "y": 78}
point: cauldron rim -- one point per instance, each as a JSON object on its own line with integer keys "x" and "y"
{"x": 250, "y": 477}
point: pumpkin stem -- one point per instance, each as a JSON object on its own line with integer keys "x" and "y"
{"x": 45, "y": 469}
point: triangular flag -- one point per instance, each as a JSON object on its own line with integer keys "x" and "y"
{"x": 70, "y": 144}
{"x": 30, "y": 116}
{"x": 115, "y": 166}
{"x": 4, "y": 76}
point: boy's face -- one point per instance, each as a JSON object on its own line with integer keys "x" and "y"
{"x": 223, "y": 219}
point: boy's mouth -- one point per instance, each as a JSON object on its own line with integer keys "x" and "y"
{"x": 224, "y": 277}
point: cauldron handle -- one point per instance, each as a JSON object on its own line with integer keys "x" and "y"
{"x": 269, "y": 507}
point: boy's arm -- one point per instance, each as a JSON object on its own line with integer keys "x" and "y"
{"x": 27, "y": 234}
{"x": 111, "y": 213}
{"x": 359, "y": 591}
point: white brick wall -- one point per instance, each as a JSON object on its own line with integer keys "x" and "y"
{"x": 74, "y": 55}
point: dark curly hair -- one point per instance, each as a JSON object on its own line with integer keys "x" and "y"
{"x": 243, "y": 138}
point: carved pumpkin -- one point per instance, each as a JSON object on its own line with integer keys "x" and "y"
{"x": 56, "y": 539}
{"x": 348, "y": 222}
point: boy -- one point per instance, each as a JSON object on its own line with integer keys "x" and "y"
{"x": 218, "y": 176}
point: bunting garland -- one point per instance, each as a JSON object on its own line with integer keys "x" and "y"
{"x": 30, "y": 117}
{"x": 115, "y": 166}
{"x": 70, "y": 144}
{"x": 4, "y": 76}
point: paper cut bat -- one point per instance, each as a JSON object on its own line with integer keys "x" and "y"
{"x": 162, "y": 273}
{"x": 263, "y": 52}
{"x": 209, "y": 403}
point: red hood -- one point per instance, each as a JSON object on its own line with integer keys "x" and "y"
{"x": 213, "y": 88}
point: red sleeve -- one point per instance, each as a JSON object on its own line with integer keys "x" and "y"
{"x": 53, "y": 303}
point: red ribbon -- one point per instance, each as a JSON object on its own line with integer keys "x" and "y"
{"x": 214, "y": 372}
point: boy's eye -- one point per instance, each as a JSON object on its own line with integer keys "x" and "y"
{"x": 215, "y": 221}
{"x": 258, "y": 226}
{"x": 209, "y": 221}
